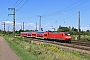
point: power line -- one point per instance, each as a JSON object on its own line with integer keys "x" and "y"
{"x": 19, "y": 3}
{"x": 15, "y": 3}
{"x": 54, "y": 13}
{"x": 70, "y": 16}
{"x": 28, "y": 13}
{"x": 78, "y": 3}
{"x": 22, "y": 5}
{"x": 61, "y": 19}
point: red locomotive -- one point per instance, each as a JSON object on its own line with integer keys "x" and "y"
{"x": 60, "y": 36}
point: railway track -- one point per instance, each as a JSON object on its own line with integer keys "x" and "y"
{"x": 81, "y": 43}
{"x": 79, "y": 47}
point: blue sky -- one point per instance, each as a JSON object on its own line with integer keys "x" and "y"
{"x": 53, "y": 12}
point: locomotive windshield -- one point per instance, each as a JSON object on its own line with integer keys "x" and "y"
{"x": 67, "y": 34}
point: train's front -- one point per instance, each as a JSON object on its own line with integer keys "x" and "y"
{"x": 67, "y": 36}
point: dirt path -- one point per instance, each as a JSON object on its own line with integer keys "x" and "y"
{"x": 6, "y": 53}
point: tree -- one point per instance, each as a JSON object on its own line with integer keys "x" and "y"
{"x": 69, "y": 28}
{"x": 72, "y": 28}
{"x": 75, "y": 29}
{"x": 66, "y": 29}
{"x": 87, "y": 30}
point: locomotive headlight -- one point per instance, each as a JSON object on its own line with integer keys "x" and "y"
{"x": 69, "y": 37}
{"x": 66, "y": 37}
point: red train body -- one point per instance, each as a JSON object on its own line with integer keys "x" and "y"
{"x": 65, "y": 36}
{"x": 39, "y": 34}
{"x": 24, "y": 34}
{"x": 33, "y": 34}
{"x": 29, "y": 34}
{"x": 56, "y": 35}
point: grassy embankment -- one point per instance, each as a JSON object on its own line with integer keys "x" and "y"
{"x": 83, "y": 38}
{"x": 28, "y": 50}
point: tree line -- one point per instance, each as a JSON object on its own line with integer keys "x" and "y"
{"x": 71, "y": 30}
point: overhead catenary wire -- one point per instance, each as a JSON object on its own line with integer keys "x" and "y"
{"x": 14, "y": 6}
{"x": 76, "y": 4}
{"x": 22, "y": 5}
{"x": 58, "y": 11}
{"x": 65, "y": 8}
{"x": 49, "y": 18}
{"x": 16, "y": 3}
{"x": 63, "y": 18}
{"x": 28, "y": 13}
{"x": 19, "y": 3}
{"x": 54, "y": 13}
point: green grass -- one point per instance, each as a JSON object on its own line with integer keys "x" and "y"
{"x": 28, "y": 50}
{"x": 23, "y": 54}
{"x": 83, "y": 38}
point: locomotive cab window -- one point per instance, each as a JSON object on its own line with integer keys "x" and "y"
{"x": 67, "y": 34}
{"x": 33, "y": 34}
{"x": 45, "y": 34}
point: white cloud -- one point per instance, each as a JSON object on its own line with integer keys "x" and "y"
{"x": 17, "y": 23}
{"x": 30, "y": 24}
{"x": 85, "y": 28}
{"x": 8, "y": 22}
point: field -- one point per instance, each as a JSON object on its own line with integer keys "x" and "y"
{"x": 28, "y": 50}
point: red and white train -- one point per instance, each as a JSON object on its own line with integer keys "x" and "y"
{"x": 60, "y": 36}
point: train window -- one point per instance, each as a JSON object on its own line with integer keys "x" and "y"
{"x": 33, "y": 34}
{"x": 62, "y": 34}
{"x": 45, "y": 34}
{"x": 67, "y": 34}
